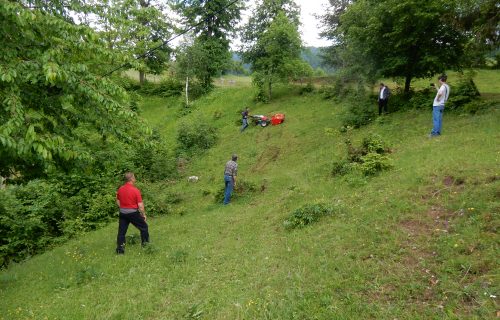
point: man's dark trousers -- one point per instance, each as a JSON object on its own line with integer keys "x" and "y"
{"x": 382, "y": 106}
{"x": 137, "y": 220}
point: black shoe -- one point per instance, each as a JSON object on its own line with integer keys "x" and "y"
{"x": 120, "y": 251}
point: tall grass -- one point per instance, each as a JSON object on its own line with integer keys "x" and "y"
{"x": 415, "y": 242}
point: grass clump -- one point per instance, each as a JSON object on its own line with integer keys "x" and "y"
{"x": 307, "y": 215}
{"x": 86, "y": 274}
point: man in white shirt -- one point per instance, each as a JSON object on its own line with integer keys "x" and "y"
{"x": 438, "y": 106}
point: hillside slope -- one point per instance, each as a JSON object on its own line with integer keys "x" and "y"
{"x": 418, "y": 241}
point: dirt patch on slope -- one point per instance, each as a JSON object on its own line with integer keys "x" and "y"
{"x": 269, "y": 155}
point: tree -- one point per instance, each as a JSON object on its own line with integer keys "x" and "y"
{"x": 261, "y": 18}
{"x": 190, "y": 61}
{"x": 397, "y": 38}
{"x": 212, "y": 23}
{"x": 278, "y": 58}
{"x": 271, "y": 44}
{"x": 51, "y": 90}
{"x": 138, "y": 28}
{"x": 479, "y": 21}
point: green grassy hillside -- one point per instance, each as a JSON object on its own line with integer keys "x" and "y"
{"x": 418, "y": 241}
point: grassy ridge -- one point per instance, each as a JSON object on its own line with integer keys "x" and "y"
{"x": 416, "y": 242}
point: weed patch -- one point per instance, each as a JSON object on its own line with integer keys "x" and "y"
{"x": 149, "y": 248}
{"x": 307, "y": 215}
{"x": 86, "y": 274}
{"x": 178, "y": 256}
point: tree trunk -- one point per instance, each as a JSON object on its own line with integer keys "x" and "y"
{"x": 187, "y": 91}
{"x": 407, "y": 83}
{"x": 142, "y": 77}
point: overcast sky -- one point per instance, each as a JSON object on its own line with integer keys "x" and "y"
{"x": 310, "y": 28}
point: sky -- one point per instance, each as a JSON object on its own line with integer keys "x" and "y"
{"x": 310, "y": 29}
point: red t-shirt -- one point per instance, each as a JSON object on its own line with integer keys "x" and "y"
{"x": 129, "y": 196}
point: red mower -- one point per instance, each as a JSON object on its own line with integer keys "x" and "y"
{"x": 263, "y": 121}
{"x": 260, "y": 120}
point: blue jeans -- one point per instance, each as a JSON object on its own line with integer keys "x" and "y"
{"x": 228, "y": 180}
{"x": 245, "y": 124}
{"x": 437, "y": 120}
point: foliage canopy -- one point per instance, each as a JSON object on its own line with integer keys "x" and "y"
{"x": 50, "y": 90}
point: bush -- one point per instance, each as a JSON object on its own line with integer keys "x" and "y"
{"x": 167, "y": 87}
{"x": 340, "y": 89}
{"x": 308, "y": 88}
{"x": 307, "y": 214}
{"x": 374, "y": 144}
{"x": 341, "y": 168}
{"x": 373, "y": 163}
{"x": 369, "y": 159}
{"x": 195, "y": 135}
{"x": 101, "y": 208}
{"x": 463, "y": 93}
{"x": 29, "y": 219}
{"x": 126, "y": 83}
{"x": 478, "y": 106}
{"x": 412, "y": 100}
{"x": 361, "y": 110}
{"x": 243, "y": 188}
{"x": 158, "y": 200}
{"x": 155, "y": 160}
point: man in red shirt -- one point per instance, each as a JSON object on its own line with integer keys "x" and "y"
{"x": 129, "y": 200}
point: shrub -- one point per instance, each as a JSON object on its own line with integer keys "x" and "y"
{"x": 158, "y": 199}
{"x": 307, "y": 214}
{"x": 340, "y": 89}
{"x": 361, "y": 110}
{"x": 421, "y": 99}
{"x": 463, "y": 93}
{"x": 196, "y": 90}
{"x": 29, "y": 220}
{"x": 164, "y": 165}
{"x": 126, "y": 83}
{"x": 341, "y": 168}
{"x": 369, "y": 158}
{"x": 308, "y": 88}
{"x": 195, "y": 135}
{"x": 101, "y": 208}
{"x": 373, "y": 163}
{"x": 374, "y": 144}
{"x": 167, "y": 87}
{"x": 242, "y": 189}
{"x": 478, "y": 106}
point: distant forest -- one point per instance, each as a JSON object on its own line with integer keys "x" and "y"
{"x": 312, "y": 55}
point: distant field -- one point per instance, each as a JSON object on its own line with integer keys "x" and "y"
{"x": 486, "y": 81}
